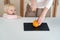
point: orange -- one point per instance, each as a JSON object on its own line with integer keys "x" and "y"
{"x": 35, "y": 23}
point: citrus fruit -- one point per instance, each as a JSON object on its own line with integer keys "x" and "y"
{"x": 35, "y": 23}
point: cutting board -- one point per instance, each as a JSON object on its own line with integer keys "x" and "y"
{"x": 42, "y": 27}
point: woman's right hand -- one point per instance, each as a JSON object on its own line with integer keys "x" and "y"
{"x": 40, "y": 20}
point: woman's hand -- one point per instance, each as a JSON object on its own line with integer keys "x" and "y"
{"x": 42, "y": 16}
{"x": 33, "y": 9}
{"x": 33, "y": 5}
{"x": 40, "y": 20}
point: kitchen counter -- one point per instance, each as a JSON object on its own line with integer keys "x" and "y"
{"x": 14, "y": 29}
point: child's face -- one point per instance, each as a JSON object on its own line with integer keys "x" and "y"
{"x": 11, "y": 10}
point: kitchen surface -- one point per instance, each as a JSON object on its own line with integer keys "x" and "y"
{"x": 14, "y": 29}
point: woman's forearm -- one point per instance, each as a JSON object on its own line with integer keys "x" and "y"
{"x": 43, "y": 14}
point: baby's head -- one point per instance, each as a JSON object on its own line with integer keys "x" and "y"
{"x": 10, "y": 9}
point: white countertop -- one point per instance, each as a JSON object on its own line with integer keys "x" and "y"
{"x": 14, "y": 30}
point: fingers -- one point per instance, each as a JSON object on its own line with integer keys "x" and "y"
{"x": 40, "y": 20}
